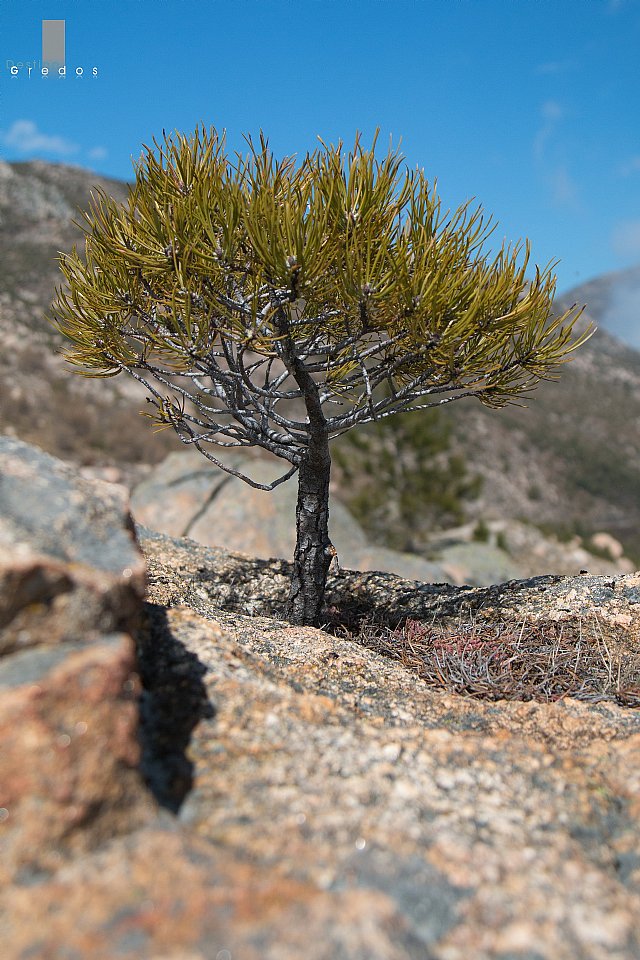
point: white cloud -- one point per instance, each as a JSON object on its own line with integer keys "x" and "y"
{"x": 548, "y": 157}
{"x": 24, "y": 136}
{"x": 552, "y": 110}
{"x": 629, "y": 167}
{"x": 564, "y": 189}
{"x": 552, "y": 113}
{"x": 98, "y": 153}
{"x": 555, "y": 66}
{"x": 625, "y": 239}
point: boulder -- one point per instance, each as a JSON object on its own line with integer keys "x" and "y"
{"x": 69, "y": 777}
{"x": 477, "y": 564}
{"x": 68, "y": 559}
{"x": 342, "y": 807}
{"x": 71, "y": 587}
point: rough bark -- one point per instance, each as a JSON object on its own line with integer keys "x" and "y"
{"x": 314, "y": 551}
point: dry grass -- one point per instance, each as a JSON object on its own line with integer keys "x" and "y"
{"x": 517, "y": 661}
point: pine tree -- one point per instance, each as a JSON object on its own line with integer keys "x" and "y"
{"x": 276, "y": 304}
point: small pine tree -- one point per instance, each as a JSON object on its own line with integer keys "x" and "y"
{"x": 267, "y": 304}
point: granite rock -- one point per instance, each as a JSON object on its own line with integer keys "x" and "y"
{"x": 311, "y": 796}
{"x": 69, "y": 764}
{"x": 339, "y": 808}
{"x": 71, "y": 587}
{"x": 68, "y": 559}
{"x": 185, "y": 572}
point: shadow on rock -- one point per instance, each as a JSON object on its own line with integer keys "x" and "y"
{"x": 173, "y": 701}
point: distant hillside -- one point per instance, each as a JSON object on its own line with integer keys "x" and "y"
{"x": 570, "y": 462}
{"x": 614, "y": 303}
{"x": 40, "y": 399}
{"x": 38, "y": 201}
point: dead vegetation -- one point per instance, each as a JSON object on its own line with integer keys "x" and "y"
{"x": 545, "y": 661}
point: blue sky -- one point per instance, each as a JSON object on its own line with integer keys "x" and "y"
{"x": 530, "y": 106}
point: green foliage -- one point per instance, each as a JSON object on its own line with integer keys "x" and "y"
{"x": 534, "y": 492}
{"x": 211, "y": 249}
{"x": 481, "y": 532}
{"x": 401, "y": 480}
{"x": 502, "y": 542}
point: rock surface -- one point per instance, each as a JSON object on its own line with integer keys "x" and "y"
{"x": 204, "y": 578}
{"x": 68, "y": 560}
{"x": 71, "y": 581}
{"x": 318, "y": 799}
{"x": 476, "y": 829}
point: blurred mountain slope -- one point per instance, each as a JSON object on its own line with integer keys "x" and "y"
{"x": 41, "y": 401}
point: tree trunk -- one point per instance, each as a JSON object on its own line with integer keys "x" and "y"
{"x": 314, "y": 550}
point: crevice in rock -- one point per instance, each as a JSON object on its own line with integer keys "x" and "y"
{"x": 173, "y": 701}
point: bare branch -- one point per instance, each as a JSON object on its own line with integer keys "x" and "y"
{"x": 242, "y": 476}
